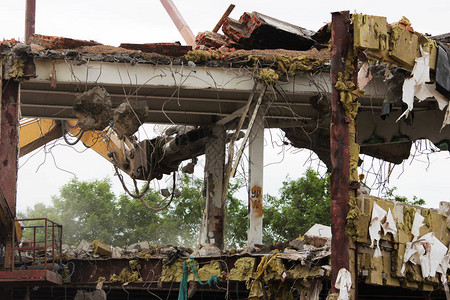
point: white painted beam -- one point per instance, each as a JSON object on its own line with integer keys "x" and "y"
{"x": 148, "y": 75}
{"x": 256, "y": 164}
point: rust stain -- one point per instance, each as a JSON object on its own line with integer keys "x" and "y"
{"x": 53, "y": 76}
{"x": 256, "y": 200}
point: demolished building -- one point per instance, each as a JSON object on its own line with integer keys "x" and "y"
{"x": 241, "y": 80}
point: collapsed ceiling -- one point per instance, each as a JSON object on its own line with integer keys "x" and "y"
{"x": 203, "y": 87}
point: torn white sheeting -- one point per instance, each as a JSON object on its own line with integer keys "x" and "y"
{"x": 428, "y": 252}
{"x": 417, "y": 223}
{"x": 408, "y": 96}
{"x": 375, "y": 226}
{"x": 434, "y": 254}
{"x": 415, "y": 86}
{"x": 409, "y": 256}
{"x": 442, "y": 268}
{"x": 343, "y": 283}
{"x": 421, "y": 70}
{"x": 319, "y": 230}
{"x": 389, "y": 226}
{"x": 364, "y": 75}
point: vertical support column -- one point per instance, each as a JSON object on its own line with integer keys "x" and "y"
{"x": 256, "y": 164}
{"x": 9, "y": 141}
{"x": 339, "y": 146}
{"x": 30, "y": 17}
{"x": 214, "y": 171}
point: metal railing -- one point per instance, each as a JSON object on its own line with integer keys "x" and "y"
{"x": 45, "y": 234}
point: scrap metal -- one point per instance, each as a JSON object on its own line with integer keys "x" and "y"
{"x": 339, "y": 148}
{"x": 30, "y": 14}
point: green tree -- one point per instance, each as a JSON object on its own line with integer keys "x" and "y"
{"x": 136, "y": 223}
{"x": 89, "y": 210}
{"x": 302, "y": 203}
{"x": 236, "y": 219}
{"x": 415, "y": 201}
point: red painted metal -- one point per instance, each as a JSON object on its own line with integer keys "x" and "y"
{"x": 25, "y": 277}
{"x": 9, "y": 141}
{"x": 54, "y": 242}
{"x": 36, "y": 274}
{"x": 30, "y": 14}
{"x": 340, "y": 151}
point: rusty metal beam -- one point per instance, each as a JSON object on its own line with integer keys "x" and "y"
{"x": 9, "y": 141}
{"x": 30, "y": 17}
{"x": 340, "y": 152}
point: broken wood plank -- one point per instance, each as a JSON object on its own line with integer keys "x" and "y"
{"x": 225, "y": 15}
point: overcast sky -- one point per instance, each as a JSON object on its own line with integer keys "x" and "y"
{"x": 145, "y": 21}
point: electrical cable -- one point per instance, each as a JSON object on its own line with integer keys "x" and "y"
{"x": 67, "y": 265}
{"x": 167, "y": 204}
{"x": 139, "y": 195}
{"x": 65, "y": 133}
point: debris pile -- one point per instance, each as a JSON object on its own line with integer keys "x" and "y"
{"x": 399, "y": 244}
{"x": 257, "y": 31}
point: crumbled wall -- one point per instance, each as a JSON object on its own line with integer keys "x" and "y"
{"x": 386, "y": 270}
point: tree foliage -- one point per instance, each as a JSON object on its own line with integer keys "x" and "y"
{"x": 302, "y": 203}
{"x": 89, "y": 210}
{"x": 415, "y": 201}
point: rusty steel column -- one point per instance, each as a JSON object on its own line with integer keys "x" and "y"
{"x": 9, "y": 141}
{"x": 214, "y": 174}
{"x": 339, "y": 148}
{"x": 30, "y": 18}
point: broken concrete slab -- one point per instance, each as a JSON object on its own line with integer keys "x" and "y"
{"x": 128, "y": 116}
{"x": 101, "y": 248}
{"x": 139, "y": 246}
{"x": 84, "y": 246}
{"x": 93, "y": 109}
{"x": 116, "y": 252}
{"x": 297, "y": 244}
{"x": 207, "y": 250}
